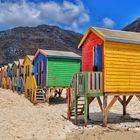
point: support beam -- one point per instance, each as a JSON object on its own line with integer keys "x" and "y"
{"x": 106, "y": 108}
{"x": 128, "y": 100}
{"x": 104, "y": 111}
{"x": 124, "y": 105}
{"x": 111, "y": 103}
{"x": 138, "y": 97}
{"x": 100, "y": 103}
{"x": 120, "y": 100}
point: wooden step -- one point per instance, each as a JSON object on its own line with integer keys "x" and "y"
{"x": 39, "y": 94}
{"x": 80, "y": 100}
{"x": 79, "y": 113}
{"x": 77, "y": 108}
{"x": 40, "y": 101}
{"x": 80, "y": 104}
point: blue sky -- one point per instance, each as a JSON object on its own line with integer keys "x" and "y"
{"x": 75, "y": 15}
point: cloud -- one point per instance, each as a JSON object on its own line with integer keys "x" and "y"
{"x": 108, "y": 23}
{"x": 66, "y": 14}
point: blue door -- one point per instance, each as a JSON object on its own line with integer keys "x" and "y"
{"x": 98, "y": 58}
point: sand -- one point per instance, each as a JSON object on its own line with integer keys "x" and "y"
{"x": 21, "y": 120}
{"x": 101, "y": 133}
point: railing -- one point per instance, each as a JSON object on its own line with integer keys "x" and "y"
{"x": 86, "y": 83}
{"x": 95, "y": 80}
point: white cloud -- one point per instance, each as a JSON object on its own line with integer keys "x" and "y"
{"x": 67, "y": 14}
{"x": 108, "y": 23}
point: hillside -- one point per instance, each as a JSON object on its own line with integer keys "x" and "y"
{"x": 20, "y": 41}
{"x": 134, "y": 26}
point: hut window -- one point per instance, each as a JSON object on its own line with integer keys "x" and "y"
{"x": 97, "y": 58}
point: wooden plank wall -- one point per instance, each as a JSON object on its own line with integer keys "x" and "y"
{"x": 61, "y": 71}
{"x": 122, "y": 67}
{"x": 28, "y": 62}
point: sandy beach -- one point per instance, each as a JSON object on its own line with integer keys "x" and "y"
{"x": 21, "y": 120}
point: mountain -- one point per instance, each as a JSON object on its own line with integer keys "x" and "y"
{"x": 18, "y": 42}
{"x": 134, "y": 26}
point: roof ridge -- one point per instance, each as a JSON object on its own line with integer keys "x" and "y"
{"x": 115, "y": 30}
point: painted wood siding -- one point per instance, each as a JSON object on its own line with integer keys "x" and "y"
{"x": 60, "y": 71}
{"x": 122, "y": 67}
{"x": 28, "y": 63}
{"x": 40, "y": 58}
{"x": 87, "y": 51}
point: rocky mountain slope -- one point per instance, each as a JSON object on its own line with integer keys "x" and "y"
{"x": 20, "y": 41}
{"x": 134, "y": 26}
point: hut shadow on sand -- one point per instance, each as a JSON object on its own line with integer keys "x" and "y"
{"x": 57, "y": 100}
{"x": 113, "y": 118}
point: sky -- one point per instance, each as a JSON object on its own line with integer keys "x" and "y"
{"x": 76, "y": 15}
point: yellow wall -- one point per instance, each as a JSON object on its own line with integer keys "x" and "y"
{"x": 27, "y": 62}
{"x": 122, "y": 67}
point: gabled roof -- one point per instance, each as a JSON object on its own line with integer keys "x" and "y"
{"x": 15, "y": 62}
{"x": 54, "y": 53}
{"x": 20, "y": 61}
{"x": 30, "y": 57}
{"x": 9, "y": 65}
{"x": 5, "y": 66}
{"x": 113, "y": 35}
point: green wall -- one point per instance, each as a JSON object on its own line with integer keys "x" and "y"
{"x": 61, "y": 70}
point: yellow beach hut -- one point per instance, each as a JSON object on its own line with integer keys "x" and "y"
{"x": 4, "y": 77}
{"x": 28, "y": 68}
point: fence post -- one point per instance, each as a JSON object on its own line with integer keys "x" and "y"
{"x": 86, "y": 106}
{"x": 69, "y": 101}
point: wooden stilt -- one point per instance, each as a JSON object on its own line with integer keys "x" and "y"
{"x": 69, "y": 103}
{"x": 104, "y": 111}
{"x": 106, "y": 108}
{"x": 76, "y": 110}
{"x": 86, "y": 110}
{"x": 124, "y": 105}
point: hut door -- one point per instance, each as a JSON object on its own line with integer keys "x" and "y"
{"x": 38, "y": 73}
{"x": 98, "y": 58}
{"x": 42, "y": 72}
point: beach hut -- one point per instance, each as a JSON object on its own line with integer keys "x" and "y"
{"x": 14, "y": 75}
{"x": 20, "y": 67}
{"x": 0, "y": 76}
{"x": 111, "y": 67}
{"x": 28, "y": 68}
{"x": 20, "y": 74}
{"x": 4, "y": 76}
{"x": 54, "y": 69}
{"x": 9, "y": 76}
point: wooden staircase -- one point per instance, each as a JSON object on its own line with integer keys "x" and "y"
{"x": 84, "y": 88}
{"x": 40, "y": 96}
{"x": 80, "y": 106}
